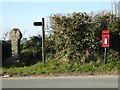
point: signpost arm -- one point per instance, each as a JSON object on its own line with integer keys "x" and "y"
{"x": 105, "y": 55}
{"x": 43, "y": 40}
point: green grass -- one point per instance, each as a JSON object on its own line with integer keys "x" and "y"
{"x": 58, "y": 66}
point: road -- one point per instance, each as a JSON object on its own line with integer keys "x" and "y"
{"x": 62, "y": 82}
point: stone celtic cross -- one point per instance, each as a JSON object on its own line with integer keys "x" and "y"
{"x": 15, "y": 36}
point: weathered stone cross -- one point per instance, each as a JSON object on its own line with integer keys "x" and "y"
{"x": 15, "y": 36}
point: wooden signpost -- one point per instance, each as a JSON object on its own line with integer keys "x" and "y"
{"x": 43, "y": 37}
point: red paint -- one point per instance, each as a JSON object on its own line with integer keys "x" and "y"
{"x": 105, "y": 38}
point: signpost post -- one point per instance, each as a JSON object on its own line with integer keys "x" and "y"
{"x": 43, "y": 37}
{"x": 105, "y": 42}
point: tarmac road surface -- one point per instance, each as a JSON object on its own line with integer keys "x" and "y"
{"x": 62, "y": 82}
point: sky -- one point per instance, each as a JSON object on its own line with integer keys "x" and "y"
{"x": 22, "y": 14}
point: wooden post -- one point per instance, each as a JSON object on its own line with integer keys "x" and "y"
{"x": 43, "y": 40}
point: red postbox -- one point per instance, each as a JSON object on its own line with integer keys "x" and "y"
{"x": 105, "y": 38}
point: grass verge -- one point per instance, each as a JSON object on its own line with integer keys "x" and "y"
{"x": 58, "y": 66}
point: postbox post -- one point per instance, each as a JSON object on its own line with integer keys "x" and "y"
{"x": 105, "y": 55}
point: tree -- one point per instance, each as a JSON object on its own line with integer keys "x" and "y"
{"x": 31, "y": 48}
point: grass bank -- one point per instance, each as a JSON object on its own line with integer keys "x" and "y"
{"x": 58, "y": 66}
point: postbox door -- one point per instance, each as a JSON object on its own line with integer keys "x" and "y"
{"x": 105, "y": 42}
